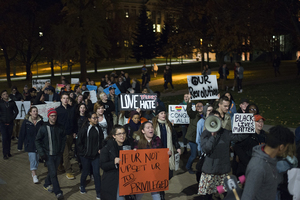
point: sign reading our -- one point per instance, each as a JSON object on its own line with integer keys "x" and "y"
{"x": 243, "y": 123}
{"x": 203, "y": 87}
{"x": 142, "y": 171}
{"x": 178, "y": 114}
{"x": 23, "y": 107}
{"x": 138, "y": 100}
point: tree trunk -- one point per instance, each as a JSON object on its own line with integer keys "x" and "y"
{"x": 220, "y": 58}
{"x": 7, "y": 61}
{"x": 207, "y": 55}
{"x": 202, "y": 60}
{"x": 28, "y": 65}
{"x": 170, "y": 60}
{"x": 95, "y": 65}
{"x": 83, "y": 60}
{"x": 166, "y": 60}
{"x": 52, "y": 68}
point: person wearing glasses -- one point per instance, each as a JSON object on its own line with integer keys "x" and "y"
{"x": 89, "y": 143}
{"x": 109, "y": 162}
{"x": 252, "y": 108}
{"x": 195, "y": 116}
{"x": 243, "y": 149}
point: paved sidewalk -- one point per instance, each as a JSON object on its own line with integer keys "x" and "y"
{"x": 16, "y": 181}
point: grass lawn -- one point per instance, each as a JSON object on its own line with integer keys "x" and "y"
{"x": 278, "y": 102}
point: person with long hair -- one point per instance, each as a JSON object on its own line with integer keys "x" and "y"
{"x": 109, "y": 163}
{"x": 79, "y": 99}
{"x": 87, "y": 101}
{"x": 133, "y": 125}
{"x": 103, "y": 120}
{"x": 89, "y": 143}
{"x": 145, "y": 138}
{"x": 29, "y": 129}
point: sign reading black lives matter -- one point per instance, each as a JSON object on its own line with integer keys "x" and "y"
{"x": 203, "y": 87}
{"x": 139, "y": 100}
{"x": 243, "y": 123}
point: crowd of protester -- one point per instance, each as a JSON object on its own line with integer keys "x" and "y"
{"x": 96, "y": 132}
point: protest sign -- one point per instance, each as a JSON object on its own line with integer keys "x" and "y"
{"x": 43, "y": 109}
{"x": 178, "y": 114}
{"x": 117, "y": 91}
{"x": 203, "y": 87}
{"x": 91, "y": 87}
{"x": 93, "y": 96}
{"x": 23, "y": 107}
{"x": 38, "y": 84}
{"x": 243, "y": 123}
{"x": 75, "y": 81}
{"x": 59, "y": 87}
{"x": 142, "y": 171}
{"x": 138, "y": 100}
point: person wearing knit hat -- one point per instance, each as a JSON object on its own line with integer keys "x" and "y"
{"x": 163, "y": 128}
{"x": 50, "y": 144}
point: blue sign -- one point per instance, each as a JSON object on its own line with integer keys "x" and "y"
{"x": 117, "y": 91}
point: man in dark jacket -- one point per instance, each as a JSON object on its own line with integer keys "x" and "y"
{"x": 50, "y": 144}
{"x": 16, "y": 96}
{"x": 168, "y": 78}
{"x": 8, "y": 113}
{"x": 51, "y": 95}
{"x": 262, "y": 177}
{"x": 223, "y": 72}
{"x": 65, "y": 118}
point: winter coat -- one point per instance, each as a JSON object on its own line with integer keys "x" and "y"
{"x": 17, "y": 97}
{"x": 216, "y": 148}
{"x": 115, "y": 101}
{"x": 194, "y": 118}
{"x": 58, "y": 140}
{"x": 262, "y": 176}
{"x": 89, "y": 141}
{"x": 222, "y": 75}
{"x": 110, "y": 177}
{"x": 28, "y": 133}
{"x": 240, "y": 73}
{"x": 8, "y": 111}
{"x": 169, "y": 75}
{"x": 226, "y": 121}
{"x": 56, "y": 97}
{"x": 65, "y": 118}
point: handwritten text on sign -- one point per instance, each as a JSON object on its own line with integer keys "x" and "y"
{"x": 139, "y": 100}
{"x": 178, "y": 114}
{"x": 243, "y": 123}
{"x": 23, "y": 107}
{"x": 142, "y": 171}
{"x": 203, "y": 87}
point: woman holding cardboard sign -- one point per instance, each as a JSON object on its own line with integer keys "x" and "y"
{"x": 109, "y": 162}
{"x": 146, "y": 139}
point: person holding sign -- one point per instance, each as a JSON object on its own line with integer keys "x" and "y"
{"x": 28, "y": 132}
{"x": 89, "y": 144}
{"x": 109, "y": 162}
{"x": 146, "y": 139}
{"x": 195, "y": 116}
{"x": 243, "y": 150}
{"x": 216, "y": 165}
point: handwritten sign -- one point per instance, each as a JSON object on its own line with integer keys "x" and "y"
{"x": 117, "y": 91}
{"x": 203, "y": 87}
{"x": 91, "y": 87}
{"x": 43, "y": 109}
{"x": 142, "y": 171}
{"x": 93, "y": 96}
{"x": 243, "y": 123}
{"x": 23, "y": 107}
{"x": 75, "y": 81}
{"x": 38, "y": 84}
{"x": 178, "y": 114}
{"x": 138, "y": 100}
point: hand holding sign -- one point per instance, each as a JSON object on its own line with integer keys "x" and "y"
{"x": 203, "y": 87}
{"x": 243, "y": 123}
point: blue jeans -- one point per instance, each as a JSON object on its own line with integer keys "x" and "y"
{"x": 52, "y": 164}
{"x": 34, "y": 160}
{"x": 86, "y": 164}
{"x": 193, "y": 155}
{"x": 155, "y": 196}
{"x": 6, "y": 131}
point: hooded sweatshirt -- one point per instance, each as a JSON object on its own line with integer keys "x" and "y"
{"x": 262, "y": 177}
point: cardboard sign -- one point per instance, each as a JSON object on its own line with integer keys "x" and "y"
{"x": 91, "y": 87}
{"x": 93, "y": 96}
{"x": 138, "y": 100}
{"x": 38, "y": 84}
{"x": 117, "y": 91}
{"x": 23, "y": 107}
{"x": 178, "y": 114}
{"x": 142, "y": 171}
{"x": 243, "y": 123}
{"x": 43, "y": 109}
{"x": 75, "y": 81}
{"x": 203, "y": 87}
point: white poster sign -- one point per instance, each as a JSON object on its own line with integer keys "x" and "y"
{"x": 43, "y": 109}
{"x": 93, "y": 96}
{"x": 203, "y": 87}
{"x": 38, "y": 84}
{"x": 75, "y": 81}
{"x": 243, "y": 123}
{"x": 23, "y": 107}
{"x": 178, "y": 114}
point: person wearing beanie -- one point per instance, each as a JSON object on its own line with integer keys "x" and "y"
{"x": 243, "y": 150}
{"x": 50, "y": 144}
{"x": 163, "y": 128}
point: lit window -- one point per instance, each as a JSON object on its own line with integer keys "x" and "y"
{"x": 158, "y": 29}
{"x": 126, "y": 43}
{"x": 41, "y": 34}
{"x": 127, "y": 13}
{"x": 154, "y": 27}
{"x": 149, "y": 14}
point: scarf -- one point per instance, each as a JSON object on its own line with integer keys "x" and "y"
{"x": 169, "y": 142}
{"x": 134, "y": 127}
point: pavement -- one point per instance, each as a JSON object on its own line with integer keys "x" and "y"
{"x": 16, "y": 181}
